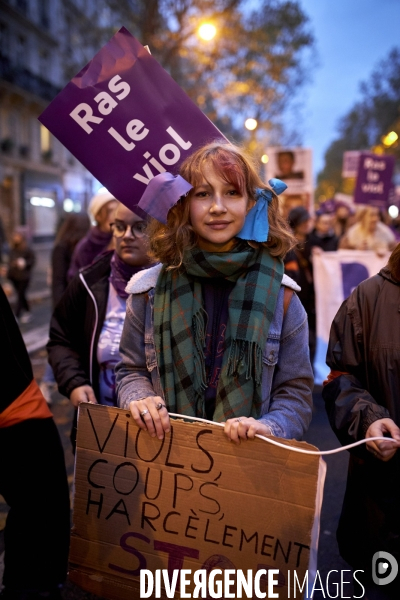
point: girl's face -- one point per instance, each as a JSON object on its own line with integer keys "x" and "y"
{"x": 217, "y": 212}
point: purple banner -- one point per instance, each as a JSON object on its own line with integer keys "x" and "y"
{"x": 374, "y": 179}
{"x": 126, "y": 120}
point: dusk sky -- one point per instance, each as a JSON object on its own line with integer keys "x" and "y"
{"x": 351, "y": 36}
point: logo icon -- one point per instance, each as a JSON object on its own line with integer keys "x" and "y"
{"x": 384, "y": 568}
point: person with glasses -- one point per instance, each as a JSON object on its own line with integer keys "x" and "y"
{"x": 87, "y": 322}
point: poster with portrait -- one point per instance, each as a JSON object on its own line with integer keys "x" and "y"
{"x": 294, "y": 167}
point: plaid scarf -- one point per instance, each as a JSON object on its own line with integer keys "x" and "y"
{"x": 180, "y": 326}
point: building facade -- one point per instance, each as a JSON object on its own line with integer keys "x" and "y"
{"x": 40, "y": 42}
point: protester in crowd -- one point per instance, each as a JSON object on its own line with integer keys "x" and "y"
{"x": 323, "y": 235}
{"x": 369, "y": 233}
{"x": 362, "y": 397}
{"x": 214, "y": 330}
{"x": 33, "y": 479}
{"x": 21, "y": 261}
{"x": 344, "y": 218}
{"x": 86, "y": 325}
{"x": 298, "y": 266}
{"x": 343, "y": 214}
{"x": 72, "y": 229}
{"x": 101, "y": 211}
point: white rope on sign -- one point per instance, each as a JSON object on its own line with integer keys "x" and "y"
{"x": 293, "y": 448}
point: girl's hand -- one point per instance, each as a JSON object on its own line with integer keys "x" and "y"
{"x": 83, "y": 393}
{"x": 151, "y": 414}
{"x": 245, "y": 428}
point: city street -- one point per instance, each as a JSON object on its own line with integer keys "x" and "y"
{"x": 319, "y": 434}
{"x": 223, "y": 143}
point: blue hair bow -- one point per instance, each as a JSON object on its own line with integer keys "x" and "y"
{"x": 256, "y": 226}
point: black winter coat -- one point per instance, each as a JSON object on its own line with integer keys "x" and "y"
{"x": 327, "y": 243}
{"x": 60, "y": 262}
{"x": 364, "y": 346}
{"x": 15, "y": 273}
{"x": 76, "y": 325}
{"x": 16, "y": 369}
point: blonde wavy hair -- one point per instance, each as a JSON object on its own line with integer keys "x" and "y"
{"x": 169, "y": 242}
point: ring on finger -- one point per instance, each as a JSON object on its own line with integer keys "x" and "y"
{"x": 238, "y": 420}
{"x": 144, "y": 412}
{"x": 160, "y": 405}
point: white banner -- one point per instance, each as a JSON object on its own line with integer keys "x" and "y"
{"x": 336, "y": 274}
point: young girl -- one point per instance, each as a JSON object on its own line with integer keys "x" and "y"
{"x": 210, "y": 332}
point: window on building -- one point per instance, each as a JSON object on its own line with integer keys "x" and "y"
{"x": 23, "y": 136}
{"x": 45, "y": 141}
{"x": 44, "y": 13}
{"x": 8, "y": 131}
{"x": 21, "y": 51}
{"x": 68, "y": 34}
{"x": 44, "y": 63}
{"x": 4, "y": 39}
{"x": 23, "y": 5}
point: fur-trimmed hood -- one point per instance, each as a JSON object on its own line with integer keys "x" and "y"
{"x": 145, "y": 280}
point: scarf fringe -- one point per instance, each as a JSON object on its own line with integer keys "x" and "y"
{"x": 176, "y": 343}
{"x": 246, "y": 353}
{"x": 199, "y": 334}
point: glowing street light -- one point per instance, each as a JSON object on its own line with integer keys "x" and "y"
{"x": 207, "y": 31}
{"x": 250, "y": 124}
{"x": 390, "y": 139}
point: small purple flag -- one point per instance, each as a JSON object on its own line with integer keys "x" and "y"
{"x": 162, "y": 193}
{"x": 126, "y": 120}
{"x": 374, "y": 179}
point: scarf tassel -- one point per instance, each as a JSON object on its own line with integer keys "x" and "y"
{"x": 248, "y": 354}
{"x": 199, "y": 334}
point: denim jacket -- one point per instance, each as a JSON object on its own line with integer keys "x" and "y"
{"x": 287, "y": 374}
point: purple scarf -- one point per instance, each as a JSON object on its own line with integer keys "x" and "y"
{"x": 121, "y": 274}
{"x": 88, "y": 249}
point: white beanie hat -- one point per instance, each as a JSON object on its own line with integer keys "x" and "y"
{"x": 98, "y": 201}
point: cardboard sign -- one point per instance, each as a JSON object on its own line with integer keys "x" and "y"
{"x": 374, "y": 179}
{"x": 351, "y": 160}
{"x": 126, "y": 120}
{"x": 191, "y": 501}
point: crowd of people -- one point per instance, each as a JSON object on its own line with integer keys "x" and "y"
{"x": 336, "y": 225}
{"x": 203, "y": 311}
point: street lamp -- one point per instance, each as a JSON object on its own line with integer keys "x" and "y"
{"x": 250, "y": 124}
{"x": 207, "y": 31}
{"x": 389, "y": 139}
